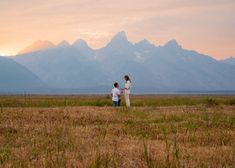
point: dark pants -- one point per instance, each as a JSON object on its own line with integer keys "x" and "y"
{"x": 117, "y": 103}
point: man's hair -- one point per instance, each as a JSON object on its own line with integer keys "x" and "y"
{"x": 115, "y": 84}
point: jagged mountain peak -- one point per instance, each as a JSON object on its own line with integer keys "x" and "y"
{"x": 63, "y": 43}
{"x": 37, "y": 46}
{"x": 120, "y": 40}
{"x": 172, "y": 43}
{"x": 144, "y": 45}
{"x": 80, "y": 43}
{"x": 120, "y": 35}
{"x": 144, "y": 42}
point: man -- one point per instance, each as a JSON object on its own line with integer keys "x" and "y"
{"x": 116, "y": 94}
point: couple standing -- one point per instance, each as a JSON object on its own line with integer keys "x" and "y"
{"x": 116, "y": 93}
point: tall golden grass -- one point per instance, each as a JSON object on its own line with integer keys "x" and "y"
{"x": 200, "y": 135}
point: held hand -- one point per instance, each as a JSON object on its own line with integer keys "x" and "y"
{"x": 122, "y": 90}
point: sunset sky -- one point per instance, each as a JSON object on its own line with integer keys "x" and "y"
{"x": 207, "y": 26}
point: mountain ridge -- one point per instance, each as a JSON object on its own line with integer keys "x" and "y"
{"x": 14, "y": 76}
{"x": 152, "y": 68}
{"x": 37, "y": 46}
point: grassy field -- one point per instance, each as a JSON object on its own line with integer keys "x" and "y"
{"x": 101, "y": 101}
{"x": 85, "y": 131}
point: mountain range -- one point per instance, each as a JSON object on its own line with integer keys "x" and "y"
{"x": 77, "y": 67}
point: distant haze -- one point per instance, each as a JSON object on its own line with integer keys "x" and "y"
{"x": 207, "y": 26}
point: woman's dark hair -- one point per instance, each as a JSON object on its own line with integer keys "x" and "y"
{"x": 127, "y": 78}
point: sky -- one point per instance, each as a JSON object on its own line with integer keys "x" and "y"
{"x": 207, "y": 26}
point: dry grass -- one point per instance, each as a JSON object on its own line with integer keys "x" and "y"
{"x": 171, "y": 136}
{"x": 104, "y": 100}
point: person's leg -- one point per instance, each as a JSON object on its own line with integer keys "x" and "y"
{"x": 115, "y": 103}
{"x": 127, "y": 99}
{"x": 119, "y": 102}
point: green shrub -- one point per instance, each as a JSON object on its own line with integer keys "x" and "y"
{"x": 211, "y": 102}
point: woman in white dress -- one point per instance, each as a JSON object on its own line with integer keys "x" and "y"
{"x": 127, "y": 90}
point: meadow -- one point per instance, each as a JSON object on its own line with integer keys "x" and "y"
{"x": 86, "y": 131}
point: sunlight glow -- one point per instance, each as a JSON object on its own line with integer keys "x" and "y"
{"x": 204, "y": 26}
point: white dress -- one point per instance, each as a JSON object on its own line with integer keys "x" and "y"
{"x": 127, "y": 92}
